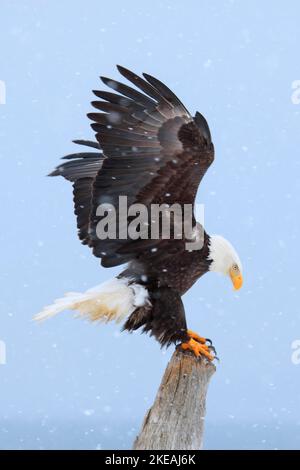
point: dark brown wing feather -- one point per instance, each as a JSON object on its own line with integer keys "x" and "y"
{"x": 156, "y": 153}
{"x": 153, "y": 152}
{"x": 81, "y": 169}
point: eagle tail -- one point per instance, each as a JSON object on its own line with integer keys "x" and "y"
{"x": 112, "y": 300}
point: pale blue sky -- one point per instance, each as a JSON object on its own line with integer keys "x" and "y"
{"x": 69, "y": 384}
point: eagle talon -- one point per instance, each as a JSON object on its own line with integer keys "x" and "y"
{"x": 213, "y": 349}
{"x": 198, "y": 345}
{"x": 198, "y": 349}
{"x": 201, "y": 340}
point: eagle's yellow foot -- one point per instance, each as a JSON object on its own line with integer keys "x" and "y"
{"x": 198, "y": 345}
{"x": 198, "y": 349}
{"x": 195, "y": 336}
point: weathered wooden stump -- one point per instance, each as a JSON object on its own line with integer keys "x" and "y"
{"x": 176, "y": 419}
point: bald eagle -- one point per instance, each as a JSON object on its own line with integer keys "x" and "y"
{"x": 150, "y": 149}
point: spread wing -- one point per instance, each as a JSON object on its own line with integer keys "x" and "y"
{"x": 81, "y": 169}
{"x": 154, "y": 152}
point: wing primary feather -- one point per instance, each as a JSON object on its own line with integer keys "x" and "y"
{"x": 79, "y": 168}
{"x": 165, "y": 91}
{"x": 139, "y": 82}
{"x": 142, "y": 85}
{"x": 88, "y": 143}
{"x": 125, "y": 90}
{"x": 83, "y": 155}
{"x": 113, "y": 98}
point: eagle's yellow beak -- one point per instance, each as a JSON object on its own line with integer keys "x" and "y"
{"x": 236, "y": 278}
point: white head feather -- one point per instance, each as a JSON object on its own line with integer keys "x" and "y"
{"x": 223, "y": 255}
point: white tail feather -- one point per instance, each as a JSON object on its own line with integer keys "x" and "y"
{"x": 112, "y": 300}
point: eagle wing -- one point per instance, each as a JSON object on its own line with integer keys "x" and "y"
{"x": 153, "y": 152}
{"x": 81, "y": 169}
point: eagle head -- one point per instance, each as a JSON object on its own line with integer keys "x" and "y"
{"x": 225, "y": 260}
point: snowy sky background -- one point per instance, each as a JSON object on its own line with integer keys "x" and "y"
{"x": 69, "y": 384}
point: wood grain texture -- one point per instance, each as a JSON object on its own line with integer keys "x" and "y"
{"x": 176, "y": 419}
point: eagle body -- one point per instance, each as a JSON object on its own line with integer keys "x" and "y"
{"x": 150, "y": 150}
{"x": 166, "y": 281}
